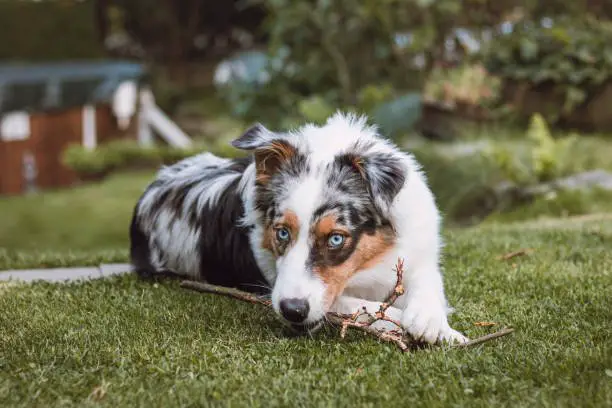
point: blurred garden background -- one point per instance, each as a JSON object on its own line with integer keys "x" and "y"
{"x": 506, "y": 104}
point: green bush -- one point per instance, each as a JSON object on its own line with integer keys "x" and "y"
{"x": 548, "y": 157}
{"x": 572, "y": 58}
{"x": 562, "y": 203}
{"x": 118, "y": 155}
{"x": 90, "y": 163}
{"x": 56, "y": 31}
{"x": 327, "y": 55}
{"x": 467, "y": 84}
{"x": 128, "y": 154}
{"x": 340, "y": 51}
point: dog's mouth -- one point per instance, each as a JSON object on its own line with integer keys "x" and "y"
{"x": 306, "y": 328}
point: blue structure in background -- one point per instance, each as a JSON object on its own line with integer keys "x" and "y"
{"x": 45, "y": 87}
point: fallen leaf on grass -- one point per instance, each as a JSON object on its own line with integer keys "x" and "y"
{"x": 485, "y": 324}
{"x": 514, "y": 254}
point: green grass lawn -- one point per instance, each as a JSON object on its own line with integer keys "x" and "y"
{"x": 121, "y": 342}
{"x": 87, "y": 225}
{"x": 91, "y": 217}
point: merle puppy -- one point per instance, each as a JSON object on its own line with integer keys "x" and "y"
{"x": 319, "y": 215}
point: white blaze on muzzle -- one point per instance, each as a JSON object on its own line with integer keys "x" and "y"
{"x": 296, "y": 284}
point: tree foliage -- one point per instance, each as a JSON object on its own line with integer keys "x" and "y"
{"x": 48, "y": 30}
{"x": 335, "y": 52}
{"x": 574, "y": 56}
{"x": 179, "y": 31}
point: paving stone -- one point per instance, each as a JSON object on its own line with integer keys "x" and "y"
{"x": 51, "y": 275}
{"x": 107, "y": 270}
{"x": 65, "y": 274}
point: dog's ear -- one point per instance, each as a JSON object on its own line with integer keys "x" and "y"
{"x": 384, "y": 174}
{"x": 254, "y": 137}
{"x": 270, "y": 151}
{"x": 271, "y": 157}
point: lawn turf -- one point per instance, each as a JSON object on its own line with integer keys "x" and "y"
{"x": 122, "y": 342}
{"x": 92, "y": 217}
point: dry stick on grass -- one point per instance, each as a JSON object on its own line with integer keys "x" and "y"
{"x": 503, "y": 332}
{"x": 514, "y": 254}
{"x": 346, "y": 321}
{"x": 334, "y": 318}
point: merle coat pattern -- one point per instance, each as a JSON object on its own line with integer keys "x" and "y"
{"x": 317, "y": 217}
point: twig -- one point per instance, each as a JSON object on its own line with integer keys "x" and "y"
{"x": 225, "y": 291}
{"x": 394, "y": 336}
{"x": 345, "y": 321}
{"x": 398, "y": 290}
{"x": 334, "y": 318}
{"x": 514, "y": 254}
{"x": 488, "y": 337}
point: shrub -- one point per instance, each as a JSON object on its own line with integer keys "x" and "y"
{"x": 89, "y": 163}
{"x": 468, "y": 84}
{"x": 562, "y": 203}
{"x": 128, "y": 154}
{"x": 570, "y": 60}
{"x": 132, "y": 155}
{"x": 337, "y": 52}
{"x": 548, "y": 158}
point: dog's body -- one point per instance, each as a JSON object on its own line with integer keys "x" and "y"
{"x": 320, "y": 216}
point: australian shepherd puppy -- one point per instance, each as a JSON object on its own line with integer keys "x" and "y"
{"x": 317, "y": 216}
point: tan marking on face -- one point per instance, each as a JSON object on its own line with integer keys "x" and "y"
{"x": 288, "y": 220}
{"x": 268, "y": 159}
{"x": 369, "y": 251}
{"x": 326, "y": 226}
{"x": 269, "y": 239}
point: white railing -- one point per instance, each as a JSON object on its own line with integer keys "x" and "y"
{"x": 151, "y": 117}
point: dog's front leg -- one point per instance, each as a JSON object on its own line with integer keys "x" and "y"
{"x": 348, "y": 305}
{"x": 425, "y": 314}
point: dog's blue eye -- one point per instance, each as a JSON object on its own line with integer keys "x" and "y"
{"x": 282, "y": 234}
{"x": 335, "y": 240}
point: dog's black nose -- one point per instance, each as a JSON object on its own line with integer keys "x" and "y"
{"x": 294, "y": 310}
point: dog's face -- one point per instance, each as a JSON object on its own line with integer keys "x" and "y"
{"x": 323, "y": 196}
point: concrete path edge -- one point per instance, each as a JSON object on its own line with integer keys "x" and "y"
{"x": 65, "y": 274}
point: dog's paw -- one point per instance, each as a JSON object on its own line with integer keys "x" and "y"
{"x": 452, "y": 336}
{"x": 427, "y": 321}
